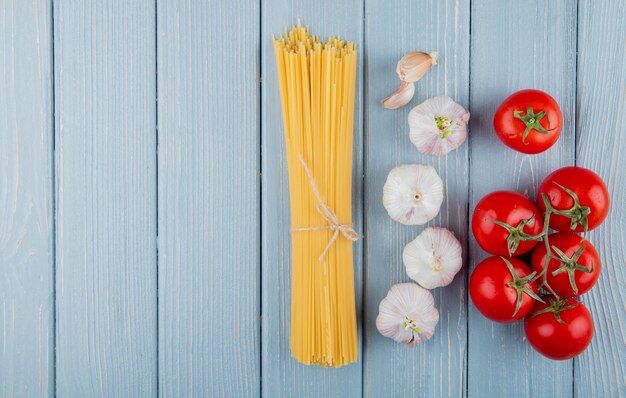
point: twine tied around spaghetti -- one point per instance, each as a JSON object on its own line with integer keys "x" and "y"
{"x": 347, "y": 230}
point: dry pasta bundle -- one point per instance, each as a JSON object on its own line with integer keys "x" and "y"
{"x": 317, "y": 87}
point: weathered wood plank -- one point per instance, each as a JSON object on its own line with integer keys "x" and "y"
{"x": 282, "y": 375}
{"x": 106, "y": 202}
{"x": 435, "y": 368}
{"x": 209, "y": 198}
{"x": 26, "y": 200}
{"x": 526, "y": 44}
{"x": 600, "y": 146}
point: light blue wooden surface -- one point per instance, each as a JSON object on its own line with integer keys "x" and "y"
{"x": 26, "y": 200}
{"x": 601, "y": 146}
{"x": 144, "y": 245}
{"x": 209, "y": 198}
{"x": 105, "y": 168}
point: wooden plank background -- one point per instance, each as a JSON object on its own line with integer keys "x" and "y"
{"x": 600, "y": 146}
{"x": 105, "y": 143}
{"x": 209, "y": 199}
{"x": 144, "y": 215}
{"x": 26, "y": 200}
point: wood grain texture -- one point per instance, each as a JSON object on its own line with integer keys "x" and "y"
{"x": 435, "y": 368}
{"x": 106, "y": 198}
{"x": 26, "y": 200}
{"x": 529, "y": 44}
{"x": 282, "y": 375}
{"x": 600, "y": 146}
{"x": 209, "y": 199}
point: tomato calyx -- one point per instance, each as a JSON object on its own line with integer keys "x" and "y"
{"x": 544, "y": 236}
{"x": 577, "y": 213}
{"x": 520, "y": 285}
{"x": 516, "y": 234}
{"x": 556, "y": 306}
{"x": 571, "y": 265}
{"x": 531, "y": 120}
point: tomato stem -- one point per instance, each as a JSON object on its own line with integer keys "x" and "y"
{"x": 571, "y": 265}
{"x": 520, "y": 285}
{"x": 556, "y": 306}
{"x": 577, "y": 213}
{"x": 546, "y": 228}
{"x": 544, "y": 236}
{"x": 517, "y": 234}
{"x": 532, "y": 121}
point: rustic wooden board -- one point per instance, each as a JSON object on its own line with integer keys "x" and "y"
{"x": 209, "y": 198}
{"x": 26, "y": 200}
{"x": 600, "y": 146}
{"x": 435, "y": 368}
{"x": 526, "y": 44}
{"x": 105, "y": 134}
{"x": 282, "y": 375}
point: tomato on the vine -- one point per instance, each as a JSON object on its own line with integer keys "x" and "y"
{"x": 574, "y": 267}
{"x": 528, "y": 121}
{"x": 559, "y": 329}
{"x": 502, "y": 289}
{"x": 579, "y": 194}
{"x": 502, "y": 220}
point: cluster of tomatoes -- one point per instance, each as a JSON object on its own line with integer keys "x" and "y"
{"x": 555, "y": 266}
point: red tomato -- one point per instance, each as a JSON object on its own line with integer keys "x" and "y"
{"x": 513, "y": 209}
{"x": 501, "y": 289}
{"x": 528, "y": 121}
{"x": 593, "y": 198}
{"x": 579, "y": 264}
{"x": 559, "y": 329}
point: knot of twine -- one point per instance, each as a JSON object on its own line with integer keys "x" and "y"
{"x": 329, "y": 215}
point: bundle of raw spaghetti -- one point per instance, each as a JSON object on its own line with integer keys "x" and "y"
{"x": 317, "y": 84}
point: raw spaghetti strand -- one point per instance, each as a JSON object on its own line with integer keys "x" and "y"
{"x": 317, "y": 87}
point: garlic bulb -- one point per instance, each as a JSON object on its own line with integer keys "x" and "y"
{"x": 414, "y": 65}
{"x": 438, "y": 125}
{"x": 413, "y": 194}
{"x": 408, "y": 314}
{"x": 400, "y": 97}
{"x": 433, "y": 258}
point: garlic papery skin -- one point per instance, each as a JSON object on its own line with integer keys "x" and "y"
{"x": 438, "y": 125}
{"x": 408, "y": 314}
{"x": 413, "y": 194}
{"x": 433, "y": 258}
{"x": 400, "y": 97}
{"x": 414, "y": 65}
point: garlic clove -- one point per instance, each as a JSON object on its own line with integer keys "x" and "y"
{"x": 413, "y": 194}
{"x": 400, "y": 97}
{"x": 438, "y": 125}
{"x": 414, "y": 65}
{"x": 433, "y": 258}
{"x": 408, "y": 314}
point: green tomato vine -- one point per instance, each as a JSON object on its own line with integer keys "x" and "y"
{"x": 578, "y": 215}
